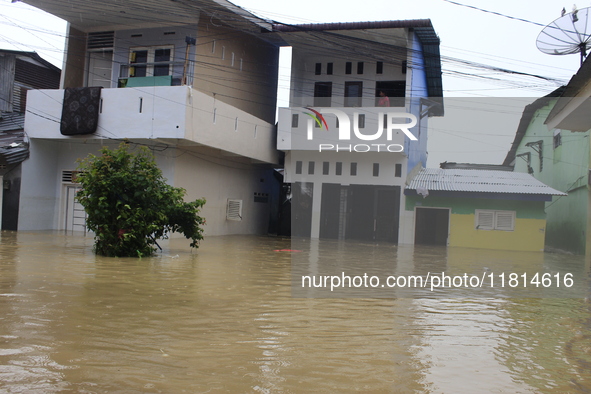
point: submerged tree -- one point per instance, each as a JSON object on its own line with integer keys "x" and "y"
{"x": 129, "y": 205}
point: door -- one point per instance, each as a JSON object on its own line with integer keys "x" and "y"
{"x": 373, "y": 213}
{"x": 386, "y": 214}
{"x": 302, "y": 194}
{"x": 431, "y": 226}
{"x": 330, "y": 210}
{"x": 99, "y": 69}
{"x": 75, "y": 215}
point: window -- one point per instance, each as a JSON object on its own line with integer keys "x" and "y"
{"x": 359, "y": 67}
{"x": 495, "y": 220}
{"x": 150, "y": 61}
{"x": 398, "y": 170}
{"x": 348, "y": 67}
{"x": 379, "y": 67}
{"x": 318, "y": 69}
{"x": 325, "y": 168}
{"x": 329, "y": 68}
{"x": 339, "y": 168}
{"x": 376, "y": 169}
{"x": 361, "y": 121}
{"x": 310, "y": 168}
{"x": 557, "y": 140}
{"x": 295, "y": 120}
{"x": 353, "y": 94}
{"x": 298, "y": 169}
{"x": 353, "y": 169}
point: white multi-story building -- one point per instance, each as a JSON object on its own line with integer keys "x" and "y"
{"x": 361, "y": 96}
{"x": 195, "y": 81}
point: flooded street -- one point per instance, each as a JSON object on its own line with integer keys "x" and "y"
{"x": 222, "y": 319}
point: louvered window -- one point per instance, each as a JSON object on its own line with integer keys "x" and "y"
{"x": 495, "y": 220}
{"x": 70, "y": 176}
{"x": 101, "y": 40}
{"x": 234, "y": 210}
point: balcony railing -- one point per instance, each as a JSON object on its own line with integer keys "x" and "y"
{"x": 173, "y": 73}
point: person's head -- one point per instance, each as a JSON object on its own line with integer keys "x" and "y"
{"x": 382, "y": 94}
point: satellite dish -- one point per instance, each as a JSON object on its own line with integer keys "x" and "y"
{"x": 567, "y": 35}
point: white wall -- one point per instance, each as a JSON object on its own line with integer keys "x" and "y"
{"x": 217, "y": 180}
{"x": 163, "y": 112}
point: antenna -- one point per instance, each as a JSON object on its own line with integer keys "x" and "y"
{"x": 567, "y": 35}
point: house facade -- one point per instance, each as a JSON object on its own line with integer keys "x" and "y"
{"x": 196, "y": 83}
{"x": 361, "y": 97}
{"x": 20, "y": 72}
{"x": 557, "y": 153}
{"x": 485, "y": 209}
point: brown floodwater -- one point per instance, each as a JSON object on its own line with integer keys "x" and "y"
{"x": 224, "y": 319}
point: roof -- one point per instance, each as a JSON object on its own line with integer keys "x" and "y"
{"x": 474, "y": 166}
{"x": 479, "y": 181}
{"x": 408, "y": 23}
{"x": 13, "y": 145}
{"x": 12, "y": 121}
{"x": 106, "y": 15}
{"x": 33, "y": 55}
{"x": 573, "y": 88}
{"x": 423, "y": 28}
{"x": 528, "y": 113}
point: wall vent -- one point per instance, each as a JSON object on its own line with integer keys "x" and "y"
{"x": 234, "y": 210}
{"x": 70, "y": 176}
{"x": 101, "y": 40}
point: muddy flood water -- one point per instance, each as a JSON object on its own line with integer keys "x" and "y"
{"x": 223, "y": 319}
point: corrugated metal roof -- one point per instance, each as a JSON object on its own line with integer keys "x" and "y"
{"x": 481, "y": 181}
{"x": 12, "y": 121}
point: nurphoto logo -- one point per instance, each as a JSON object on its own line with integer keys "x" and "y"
{"x": 344, "y": 130}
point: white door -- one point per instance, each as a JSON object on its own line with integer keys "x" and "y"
{"x": 75, "y": 215}
{"x": 99, "y": 69}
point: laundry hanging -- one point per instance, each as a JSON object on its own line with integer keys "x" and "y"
{"x": 80, "y": 110}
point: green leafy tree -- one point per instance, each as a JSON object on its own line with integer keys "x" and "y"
{"x": 129, "y": 205}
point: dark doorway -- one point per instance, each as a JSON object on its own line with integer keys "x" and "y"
{"x": 395, "y": 90}
{"x": 322, "y": 94}
{"x": 301, "y": 209}
{"x": 431, "y": 226}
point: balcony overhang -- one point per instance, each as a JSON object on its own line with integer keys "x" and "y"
{"x": 92, "y": 16}
{"x": 169, "y": 116}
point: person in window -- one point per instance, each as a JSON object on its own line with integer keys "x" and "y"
{"x": 384, "y": 101}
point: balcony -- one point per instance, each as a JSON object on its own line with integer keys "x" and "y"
{"x": 160, "y": 74}
{"x": 302, "y": 128}
{"x": 175, "y": 115}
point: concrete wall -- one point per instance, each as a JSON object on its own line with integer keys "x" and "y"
{"x": 237, "y": 68}
{"x": 74, "y": 61}
{"x": 217, "y": 180}
{"x": 304, "y": 77}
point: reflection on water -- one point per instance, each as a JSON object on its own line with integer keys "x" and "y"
{"x": 222, "y": 319}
